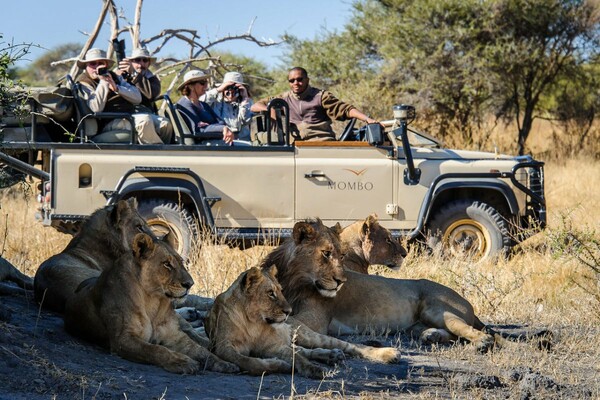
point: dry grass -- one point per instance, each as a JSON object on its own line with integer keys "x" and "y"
{"x": 544, "y": 284}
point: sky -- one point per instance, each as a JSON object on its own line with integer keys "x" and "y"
{"x": 53, "y": 22}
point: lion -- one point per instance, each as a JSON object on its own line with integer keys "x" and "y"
{"x": 128, "y": 308}
{"x": 366, "y": 242}
{"x": 247, "y": 326}
{"x": 9, "y": 272}
{"x": 104, "y": 236}
{"x": 330, "y": 300}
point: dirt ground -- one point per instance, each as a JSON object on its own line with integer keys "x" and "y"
{"x": 39, "y": 360}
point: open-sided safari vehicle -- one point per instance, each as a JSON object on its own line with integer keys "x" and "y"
{"x": 477, "y": 203}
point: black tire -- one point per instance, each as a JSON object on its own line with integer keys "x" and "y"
{"x": 473, "y": 229}
{"x": 170, "y": 222}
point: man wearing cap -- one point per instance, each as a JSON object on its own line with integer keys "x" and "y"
{"x": 203, "y": 121}
{"x": 136, "y": 68}
{"x": 105, "y": 91}
{"x": 231, "y": 102}
{"x": 312, "y": 110}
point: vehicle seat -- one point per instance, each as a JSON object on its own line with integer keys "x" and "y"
{"x": 87, "y": 121}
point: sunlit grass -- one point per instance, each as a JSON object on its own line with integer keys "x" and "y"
{"x": 539, "y": 286}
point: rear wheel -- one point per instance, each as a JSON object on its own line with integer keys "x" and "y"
{"x": 470, "y": 229}
{"x": 171, "y": 223}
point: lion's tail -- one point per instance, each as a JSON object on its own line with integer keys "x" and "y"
{"x": 543, "y": 337}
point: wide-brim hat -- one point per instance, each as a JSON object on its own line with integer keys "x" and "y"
{"x": 193, "y": 76}
{"x": 141, "y": 52}
{"x": 234, "y": 77}
{"x": 95, "y": 55}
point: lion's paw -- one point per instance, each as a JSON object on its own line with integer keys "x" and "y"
{"x": 182, "y": 364}
{"x": 388, "y": 354}
{"x": 433, "y": 335}
{"x": 485, "y": 344}
{"x": 218, "y": 365}
{"x": 336, "y": 356}
{"x": 277, "y": 365}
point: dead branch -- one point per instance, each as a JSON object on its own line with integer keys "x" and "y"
{"x": 94, "y": 35}
{"x": 114, "y": 28}
{"x": 136, "y": 24}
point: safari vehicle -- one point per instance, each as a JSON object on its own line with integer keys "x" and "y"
{"x": 477, "y": 203}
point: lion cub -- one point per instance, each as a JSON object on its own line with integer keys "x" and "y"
{"x": 128, "y": 308}
{"x": 247, "y": 326}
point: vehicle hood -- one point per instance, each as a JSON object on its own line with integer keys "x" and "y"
{"x": 424, "y": 152}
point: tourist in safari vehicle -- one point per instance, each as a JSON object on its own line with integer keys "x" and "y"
{"x": 311, "y": 109}
{"x": 106, "y": 91}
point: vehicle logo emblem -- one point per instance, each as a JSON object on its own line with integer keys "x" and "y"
{"x": 357, "y": 173}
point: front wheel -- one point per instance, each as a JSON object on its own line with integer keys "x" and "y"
{"x": 470, "y": 229}
{"x": 171, "y": 223}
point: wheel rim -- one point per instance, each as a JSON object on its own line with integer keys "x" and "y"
{"x": 467, "y": 238}
{"x": 167, "y": 232}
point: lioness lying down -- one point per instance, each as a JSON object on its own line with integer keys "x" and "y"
{"x": 247, "y": 326}
{"x": 128, "y": 309}
{"x": 103, "y": 237}
{"x": 330, "y": 300}
{"x": 366, "y": 243}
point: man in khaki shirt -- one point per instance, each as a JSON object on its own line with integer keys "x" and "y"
{"x": 311, "y": 109}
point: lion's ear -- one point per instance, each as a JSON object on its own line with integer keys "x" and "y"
{"x": 273, "y": 271}
{"x": 142, "y": 246}
{"x": 123, "y": 209}
{"x": 337, "y": 228}
{"x": 133, "y": 204}
{"x": 303, "y": 231}
{"x": 369, "y": 222}
{"x": 251, "y": 278}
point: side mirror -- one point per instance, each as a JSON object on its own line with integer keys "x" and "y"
{"x": 374, "y": 134}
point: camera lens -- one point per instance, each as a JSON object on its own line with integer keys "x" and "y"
{"x": 102, "y": 71}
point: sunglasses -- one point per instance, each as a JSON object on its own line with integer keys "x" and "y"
{"x": 94, "y": 64}
{"x": 140, "y": 60}
{"x": 299, "y": 80}
{"x": 202, "y": 82}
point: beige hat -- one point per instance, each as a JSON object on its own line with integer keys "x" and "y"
{"x": 193, "y": 76}
{"x": 234, "y": 77}
{"x": 141, "y": 52}
{"x": 95, "y": 55}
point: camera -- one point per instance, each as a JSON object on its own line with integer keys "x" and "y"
{"x": 102, "y": 71}
{"x": 235, "y": 91}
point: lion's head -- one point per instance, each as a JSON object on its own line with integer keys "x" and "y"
{"x": 308, "y": 262}
{"x": 367, "y": 243}
{"x": 115, "y": 226}
{"x": 264, "y": 300}
{"x": 161, "y": 268}
{"x": 103, "y": 237}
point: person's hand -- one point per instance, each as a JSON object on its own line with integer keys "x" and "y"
{"x": 221, "y": 88}
{"x": 243, "y": 91}
{"x": 370, "y": 120}
{"x": 228, "y": 136}
{"x": 124, "y": 66}
{"x": 111, "y": 82}
{"x": 202, "y": 124}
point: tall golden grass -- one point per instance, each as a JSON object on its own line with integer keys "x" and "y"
{"x": 549, "y": 282}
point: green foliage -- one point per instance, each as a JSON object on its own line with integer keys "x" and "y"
{"x": 41, "y": 73}
{"x": 12, "y": 99}
{"x": 458, "y": 61}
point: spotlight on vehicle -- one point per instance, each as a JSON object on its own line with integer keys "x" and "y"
{"x": 404, "y": 113}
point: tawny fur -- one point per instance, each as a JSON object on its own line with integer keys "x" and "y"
{"x": 358, "y": 303}
{"x": 128, "y": 309}
{"x": 366, "y": 243}
{"x": 105, "y": 236}
{"x": 247, "y": 326}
